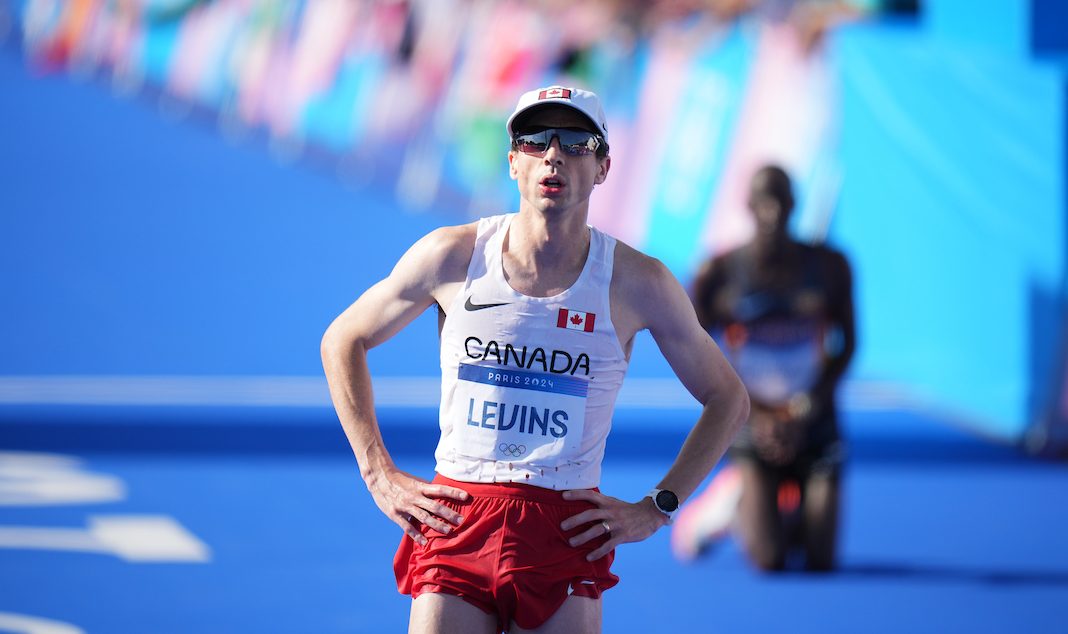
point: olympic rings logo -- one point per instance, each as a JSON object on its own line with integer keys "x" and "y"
{"x": 512, "y": 450}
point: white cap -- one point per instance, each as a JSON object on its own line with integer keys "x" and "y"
{"x": 582, "y": 100}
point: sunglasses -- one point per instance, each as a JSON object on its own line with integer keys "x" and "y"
{"x": 572, "y": 142}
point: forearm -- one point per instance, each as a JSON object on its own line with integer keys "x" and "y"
{"x": 833, "y": 372}
{"x": 706, "y": 443}
{"x": 345, "y": 364}
{"x": 406, "y": 500}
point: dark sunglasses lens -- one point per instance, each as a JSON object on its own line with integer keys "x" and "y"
{"x": 533, "y": 143}
{"x": 577, "y": 142}
{"x": 573, "y": 142}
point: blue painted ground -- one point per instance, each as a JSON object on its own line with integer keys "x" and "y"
{"x": 942, "y": 532}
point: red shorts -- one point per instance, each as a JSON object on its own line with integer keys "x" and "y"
{"x": 509, "y": 557}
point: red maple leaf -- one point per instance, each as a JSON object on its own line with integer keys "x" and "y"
{"x": 575, "y": 319}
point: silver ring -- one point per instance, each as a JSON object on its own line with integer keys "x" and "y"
{"x": 607, "y": 528}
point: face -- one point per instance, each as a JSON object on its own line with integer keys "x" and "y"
{"x": 555, "y": 181}
{"x": 771, "y": 204}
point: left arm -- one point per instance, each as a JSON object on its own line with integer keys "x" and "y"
{"x": 840, "y": 314}
{"x": 651, "y": 298}
{"x": 841, "y": 320}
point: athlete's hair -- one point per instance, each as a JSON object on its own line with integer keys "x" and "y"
{"x": 774, "y": 181}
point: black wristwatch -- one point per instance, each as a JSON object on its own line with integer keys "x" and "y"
{"x": 665, "y": 501}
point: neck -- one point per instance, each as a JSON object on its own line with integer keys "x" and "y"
{"x": 543, "y": 239}
{"x": 545, "y": 256}
{"x": 771, "y": 251}
{"x": 772, "y": 247}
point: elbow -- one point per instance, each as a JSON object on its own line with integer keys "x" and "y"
{"x": 338, "y": 344}
{"x": 729, "y": 404}
{"x": 742, "y": 406}
{"x": 329, "y": 343}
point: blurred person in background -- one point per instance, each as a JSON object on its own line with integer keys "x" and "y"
{"x": 538, "y": 312}
{"x": 783, "y": 312}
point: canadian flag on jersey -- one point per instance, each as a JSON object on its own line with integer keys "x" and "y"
{"x": 575, "y": 320}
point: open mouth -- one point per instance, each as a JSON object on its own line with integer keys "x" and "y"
{"x": 552, "y": 184}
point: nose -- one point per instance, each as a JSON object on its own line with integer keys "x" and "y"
{"x": 553, "y": 153}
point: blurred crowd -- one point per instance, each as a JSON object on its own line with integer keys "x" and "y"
{"x": 397, "y": 83}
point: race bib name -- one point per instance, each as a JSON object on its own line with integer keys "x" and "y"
{"x": 518, "y": 415}
{"x": 531, "y": 420}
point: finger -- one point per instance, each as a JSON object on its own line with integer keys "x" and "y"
{"x": 591, "y": 533}
{"x": 442, "y": 491}
{"x": 442, "y": 511}
{"x": 583, "y": 494}
{"x": 430, "y": 520}
{"x": 410, "y": 530}
{"x": 601, "y": 550}
{"x": 585, "y": 517}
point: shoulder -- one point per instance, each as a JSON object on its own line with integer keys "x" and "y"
{"x": 644, "y": 288}
{"x": 446, "y": 245}
{"x": 636, "y": 271}
{"x": 439, "y": 257}
{"x": 832, "y": 259}
{"x": 718, "y": 265}
{"x": 834, "y": 269}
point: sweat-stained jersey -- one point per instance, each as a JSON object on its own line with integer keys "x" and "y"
{"x": 528, "y": 384}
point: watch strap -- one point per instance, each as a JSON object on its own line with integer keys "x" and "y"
{"x": 670, "y": 514}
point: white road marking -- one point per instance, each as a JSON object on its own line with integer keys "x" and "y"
{"x": 22, "y": 624}
{"x": 133, "y": 538}
{"x": 41, "y": 479}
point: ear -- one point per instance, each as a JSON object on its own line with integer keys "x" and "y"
{"x": 602, "y": 170}
{"x": 512, "y": 172}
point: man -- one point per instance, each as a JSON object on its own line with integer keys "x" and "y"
{"x": 537, "y": 316}
{"x": 784, "y": 313}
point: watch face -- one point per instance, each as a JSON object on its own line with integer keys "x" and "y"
{"x": 667, "y": 501}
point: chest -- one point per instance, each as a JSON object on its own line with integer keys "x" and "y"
{"x": 791, "y": 292}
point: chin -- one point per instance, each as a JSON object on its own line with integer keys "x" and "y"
{"x": 550, "y": 205}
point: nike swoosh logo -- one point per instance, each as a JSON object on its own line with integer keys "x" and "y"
{"x": 469, "y": 306}
{"x": 571, "y": 586}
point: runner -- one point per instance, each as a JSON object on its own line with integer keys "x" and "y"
{"x": 538, "y": 314}
{"x": 784, "y": 312}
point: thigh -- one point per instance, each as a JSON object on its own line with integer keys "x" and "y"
{"x": 578, "y": 615}
{"x": 821, "y": 511}
{"x": 759, "y": 522}
{"x": 434, "y": 613}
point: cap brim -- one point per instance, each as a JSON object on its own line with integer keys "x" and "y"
{"x": 519, "y": 114}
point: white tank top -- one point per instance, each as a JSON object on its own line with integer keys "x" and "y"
{"x": 528, "y": 384}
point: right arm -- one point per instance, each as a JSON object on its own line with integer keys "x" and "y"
{"x": 432, "y": 271}
{"x": 707, "y": 286}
